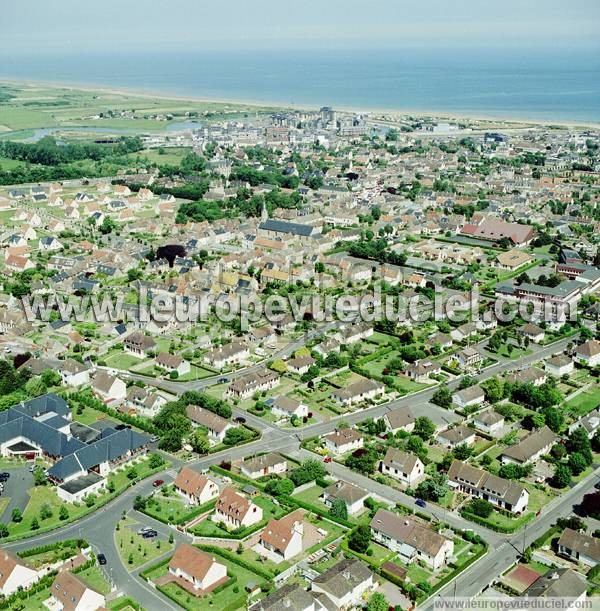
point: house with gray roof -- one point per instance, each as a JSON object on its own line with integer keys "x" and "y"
{"x": 345, "y": 583}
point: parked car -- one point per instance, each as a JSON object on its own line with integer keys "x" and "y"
{"x": 101, "y": 559}
{"x": 143, "y": 529}
{"x": 158, "y": 482}
{"x": 154, "y": 439}
{"x": 222, "y": 380}
{"x": 327, "y": 459}
{"x": 240, "y": 419}
{"x": 150, "y": 534}
{"x": 4, "y": 476}
{"x": 420, "y": 503}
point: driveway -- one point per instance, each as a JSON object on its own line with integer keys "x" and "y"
{"x": 15, "y": 488}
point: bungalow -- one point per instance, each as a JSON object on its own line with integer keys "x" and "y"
{"x": 235, "y": 510}
{"x": 531, "y": 375}
{"x": 489, "y": 422}
{"x": 502, "y": 493}
{"x": 15, "y": 574}
{"x": 559, "y": 365}
{"x": 227, "y": 355}
{"x": 352, "y": 495}
{"x": 215, "y": 425}
{"x": 144, "y": 401}
{"x": 343, "y": 440}
{"x": 532, "y": 332}
{"x": 49, "y": 243}
{"x": 531, "y": 448}
{"x": 261, "y": 335}
{"x": 300, "y": 365}
{"x": 281, "y": 539}
{"x": 363, "y": 390}
{"x": 18, "y": 263}
{"x": 248, "y": 385}
{"x": 400, "y": 419}
{"x": 468, "y": 397}
{"x": 73, "y": 373}
{"x": 194, "y": 487}
{"x": 412, "y": 540}
{"x": 138, "y": 344}
{"x": 198, "y": 569}
{"x": 560, "y": 583}
{"x": 344, "y": 584}
{"x": 441, "y": 340}
{"x": 459, "y": 435}
{"x": 287, "y": 407}
{"x": 172, "y": 362}
{"x": 463, "y": 332}
{"x": 422, "y": 369}
{"x": 588, "y": 353}
{"x": 579, "y": 547}
{"x": 513, "y": 259}
{"x": 108, "y": 388}
{"x": 590, "y": 423}
{"x": 289, "y": 596}
{"x": 266, "y": 464}
{"x": 402, "y": 466}
{"x": 355, "y": 333}
{"x": 69, "y": 593}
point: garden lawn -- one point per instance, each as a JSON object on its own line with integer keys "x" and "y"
{"x": 142, "y": 550}
{"x": 94, "y": 577}
{"x": 120, "y": 360}
{"x": 583, "y": 403}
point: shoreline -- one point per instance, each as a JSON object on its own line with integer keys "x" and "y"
{"x": 519, "y": 122}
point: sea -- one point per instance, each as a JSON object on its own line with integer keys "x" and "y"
{"x": 536, "y": 84}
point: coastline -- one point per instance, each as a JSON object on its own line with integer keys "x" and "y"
{"x": 397, "y": 113}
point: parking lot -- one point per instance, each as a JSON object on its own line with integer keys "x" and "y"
{"x": 15, "y": 488}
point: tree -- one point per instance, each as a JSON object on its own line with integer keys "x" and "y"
{"x": 591, "y": 505}
{"x": 360, "y": 538}
{"x": 279, "y": 366}
{"x": 362, "y": 460}
{"x": 338, "y": 509}
{"x": 132, "y": 473}
{"x": 139, "y": 503}
{"x": 171, "y": 441}
{"x": 34, "y": 524}
{"x": 199, "y": 442}
{"x": 442, "y": 397}
{"x": 155, "y": 461}
{"x": 17, "y": 515}
{"x": 562, "y": 476}
{"x": 493, "y": 389}
{"x": 235, "y": 435}
{"x": 377, "y": 602}
{"x": 424, "y": 428}
{"x": 45, "y": 511}
{"x": 3, "y": 530}
{"x": 462, "y": 451}
{"x": 308, "y": 471}
{"x": 579, "y": 442}
{"x": 279, "y": 487}
{"x": 63, "y": 514}
{"x": 577, "y": 463}
{"x": 481, "y": 508}
{"x": 433, "y": 488}
{"x": 39, "y": 477}
{"x": 554, "y": 418}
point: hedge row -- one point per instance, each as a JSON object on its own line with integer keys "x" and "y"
{"x": 190, "y": 515}
{"x": 144, "y": 574}
{"x": 42, "y": 584}
{"x": 236, "y": 559}
{"x": 236, "y": 476}
{"x": 294, "y": 502}
{"x": 495, "y": 527}
{"x": 41, "y": 549}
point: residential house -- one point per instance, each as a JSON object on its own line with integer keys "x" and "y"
{"x": 468, "y": 358}
{"x": 363, "y": 390}
{"x": 579, "y": 547}
{"x": 281, "y": 539}
{"x": 15, "y": 573}
{"x": 109, "y": 388}
{"x": 195, "y": 488}
{"x": 489, "y": 421}
{"x": 73, "y": 373}
{"x": 559, "y": 365}
{"x": 266, "y": 464}
{"x": 144, "y": 401}
{"x": 227, "y": 355}
{"x": 532, "y": 332}
{"x": 402, "y": 466}
{"x": 502, "y": 493}
{"x": 399, "y": 419}
{"x": 138, "y": 344}
{"x": 69, "y": 593}
{"x": 531, "y": 375}
{"x": 352, "y": 495}
{"x": 215, "y": 425}
{"x": 590, "y": 423}
{"x": 300, "y": 365}
{"x": 344, "y": 583}
{"x": 287, "y": 407}
{"x": 198, "y": 569}
{"x": 343, "y": 440}
{"x": 560, "y": 583}
{"x": 457, "y": 436}
{"x": 468, "y": 397}
{"x": 235, "y": 510}
{"x": 411, "y": 539}
{"x": 421, "y": 370}
{"x": 530, "y": 448}
{"x": 251, "y": 384}
{"x": 588, "y": 353}
{"x": 172, "y": 362}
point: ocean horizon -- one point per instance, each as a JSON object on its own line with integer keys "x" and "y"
{"x": 539, "y": 86}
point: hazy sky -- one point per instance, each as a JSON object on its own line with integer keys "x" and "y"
{"x": 77, "y": 25}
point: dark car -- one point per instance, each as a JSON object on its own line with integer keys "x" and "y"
{"x": 149, "y": 534}
{"x": 240, "y": 420}
{"x": 158, "y": 482}
{"x": 101, "y": 559}
{"x": 420, "y": 503}
{"x": 4, "y": 476}
{"x": 221, "y": 380}
{"x": 120, "y": 427}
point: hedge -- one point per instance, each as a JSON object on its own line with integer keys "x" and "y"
{"x": 235, "y": 535}
{"x": 289, "y": 500}
{"x": 442, "y": 582}
{"x": 125, "y": 603}
{"x": 42, "y": 584}
{"x": 233, "y": 557}
{"x": 553, "y": 530}
{"x": 236, "y": 476}
{"x": 145, "y": 572}
{"x": 495, "y": 527}
{"x": 190, "y": 515}
{"x": 41, "y": 549}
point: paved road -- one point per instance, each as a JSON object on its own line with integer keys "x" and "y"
{"x": 98, "y": 528}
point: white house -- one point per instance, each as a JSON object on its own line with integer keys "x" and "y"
{"x": 468, "y": 397}
{"x": 345, "y": 583}
{"x": 588, "y": 353}
{"x": 363, "y": 390}
{"x": 286, "y": 407}
{"x": 235, "y": 510}
{"x": 15, "y": 574}
{"x": 266, "y": 464}
{"x": 195, "y": 488}
{"x": 343, "y": 440}
{"x": 109, "y": 388}
{"x": 352, "y": 495}
{"x": 215, "y": 425}
{"x": 73, "y": 373}
{"x": 281, "y": 539}
{"x": 579, "y": 547}
{"x": 402, "y": 466}
{"x": 489, "y": 421}
{"x": 68, "y": 592}
{"x": 559, "y": 365}
{"x": 457, "y": 436}
{"x": 197, "y": 568}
